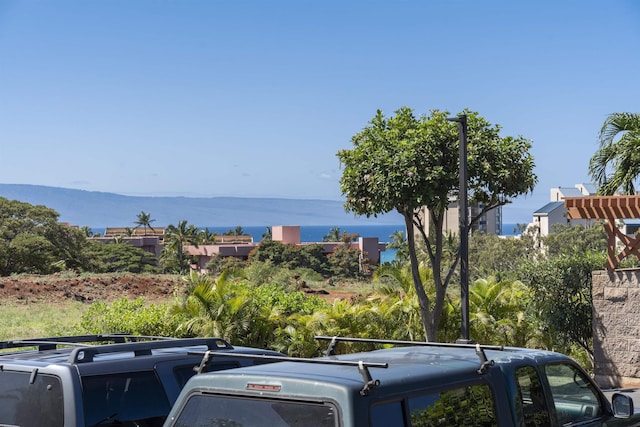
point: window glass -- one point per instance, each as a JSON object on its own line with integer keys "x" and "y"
{"x": 20, "y": 397}
{"x": 472, "y": 405}
{"x": 530, "y": 401}
{"x": 574, "y": 395}
{"x": 387, "y": 414}
{"x": 126, "y": 397}
{"x": 213, "y": 410}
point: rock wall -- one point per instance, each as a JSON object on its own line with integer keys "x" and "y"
{"x": 616, "y": 327}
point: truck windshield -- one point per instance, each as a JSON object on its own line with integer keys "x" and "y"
{"x": 228, "y": 411}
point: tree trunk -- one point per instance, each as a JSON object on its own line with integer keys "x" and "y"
{"x": 425, "y": 313}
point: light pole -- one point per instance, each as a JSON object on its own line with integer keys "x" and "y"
{"x": 463, "y": 213}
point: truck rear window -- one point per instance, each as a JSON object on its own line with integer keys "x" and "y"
{"x": 136, "y": 397}
{"x": 213, "y": 410}
{"x": 21, "y": 392}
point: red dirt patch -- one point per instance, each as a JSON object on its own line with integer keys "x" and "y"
{"x": 87, "y": 288}
{"x": 30, "y": 288}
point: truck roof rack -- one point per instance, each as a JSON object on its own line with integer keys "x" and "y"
{"x": 84, "y": 348}
{"x": 51, "y": 343}
{"x": 363, "y": 367}
{"x": 143, "y": 348}
{"x": 484, "y": 362}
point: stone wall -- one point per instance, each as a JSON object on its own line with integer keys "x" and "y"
{"x": 616, "y": 327}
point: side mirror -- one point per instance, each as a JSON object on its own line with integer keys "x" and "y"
{"x": 622, "y": 405}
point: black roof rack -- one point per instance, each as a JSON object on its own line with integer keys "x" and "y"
{"x": 84, "y": 348}
{"x": 363, "y": 367}
{"x": 51, "y": 343}
{"x": 143, "y": 348}
{"x": 480, "y": 348}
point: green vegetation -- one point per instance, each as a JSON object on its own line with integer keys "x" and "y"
{"x": 407, "y": 163}
{"x": 615, "y": 166}
{"x": 119, "y": 257}
{"x": 42, "y": 320}
{"x": 33, "y": 241}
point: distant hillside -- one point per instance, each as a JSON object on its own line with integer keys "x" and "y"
{"x": 99, "y": 210}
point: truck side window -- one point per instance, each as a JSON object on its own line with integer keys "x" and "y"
{"x": 30, "y": 401}
{"x": 530, "y": 400}
{"x": 468, "y": 405}
{"x": 574, "y": 395}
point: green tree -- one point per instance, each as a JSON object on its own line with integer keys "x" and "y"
{"x": 572, "y": 239}
{"x": 347, "y": 262}
{"x": 292, "y": 256}
{"x": 499, "y": 313}
{"x": 337, "y": 235}
{"x": 120, "y": 257}
{"x": 206, "y": 237}
{"x": 399, "y": 243}
{"x": 495, "y": 256}
{"x": 561, "y": 289}
{"x": 33, "y": 241}
{"x": 177, "y": 237}
{"x": 144, "y": 220}
{"x": 615, "y": 166}
{"x": 333, "y": 235}
{"x": 267, "y": 235}
{"x": 215, "y": 308}
{"x": 237, "y": 232}
{"x": 86, "y": 230}
{"x": 405, "y": 163}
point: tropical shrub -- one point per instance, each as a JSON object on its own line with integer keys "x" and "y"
{"x": 128, "y": 316}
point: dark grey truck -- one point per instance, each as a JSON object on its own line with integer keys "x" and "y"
{"x": 103, "y": 380}
{"x": 415, "y": 384}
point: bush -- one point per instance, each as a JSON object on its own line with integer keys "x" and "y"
{"x": 128, "y": 316}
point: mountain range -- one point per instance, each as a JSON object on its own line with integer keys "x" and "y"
{"x": 99, "y": 209}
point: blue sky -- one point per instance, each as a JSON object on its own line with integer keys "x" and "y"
{"x": 255, "y": 98}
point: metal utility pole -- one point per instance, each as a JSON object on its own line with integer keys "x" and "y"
{"x": 463, "y": 213}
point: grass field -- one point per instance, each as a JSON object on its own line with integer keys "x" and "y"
{"x": 39, "y": 320}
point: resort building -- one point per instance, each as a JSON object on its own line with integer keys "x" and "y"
{"x": 555, "y": 211}
{"x": 238, "y": 246}
{"x": 369, "y": 247}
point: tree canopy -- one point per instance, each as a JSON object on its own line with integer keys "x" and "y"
{"x": 405, "y": 163}
{"x": 33, "y": 241}
{"x": 615, "y": 166}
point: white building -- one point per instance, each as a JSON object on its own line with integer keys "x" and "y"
{"x": 555, "y": 212}
{"x": 490, "y": 222}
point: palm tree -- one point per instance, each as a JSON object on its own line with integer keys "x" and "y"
{"x": 498, "y": 313}
{"x": 86, "y": 230}
{"x": 399, "y": 243}
{"x": 268, "y": 234}
{"x": 615, "y": 166}
{"x": 333, "y": 235}
{"x": 177, "y": 237}
{"x": 217, "y": 308}
{"x": 206, "y": 237}
{"x": 144, "y": 220}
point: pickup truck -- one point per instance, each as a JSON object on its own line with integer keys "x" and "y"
{"x": 410, "y": 384}
{"x": 103, "y": 380}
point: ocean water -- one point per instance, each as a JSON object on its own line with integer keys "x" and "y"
{"x": 315, "y": 233}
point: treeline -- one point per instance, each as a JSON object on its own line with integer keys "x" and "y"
{"x": 33, "y": 241}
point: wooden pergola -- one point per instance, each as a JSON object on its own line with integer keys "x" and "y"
{"x": 609, "y": 208}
